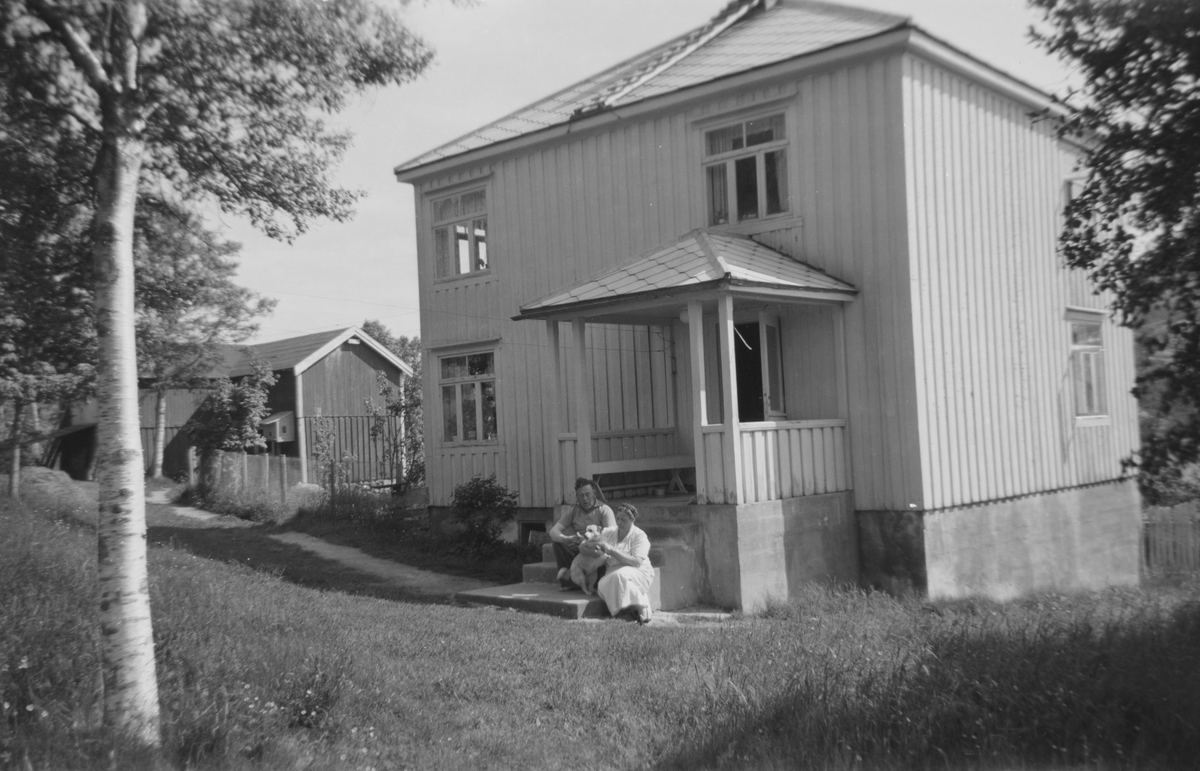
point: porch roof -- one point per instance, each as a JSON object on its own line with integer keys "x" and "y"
{"x": 698, "y": 263}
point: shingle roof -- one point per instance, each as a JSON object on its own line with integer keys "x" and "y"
{"x": 281, "y": 354}
{"x": 741, "y": 37}
{"x": 298, "y": 353}
{"x": 696, "y": 258}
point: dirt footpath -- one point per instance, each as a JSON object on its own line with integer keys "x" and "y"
{"x": 208, "y": 534}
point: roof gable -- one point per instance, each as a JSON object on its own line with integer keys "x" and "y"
{"x": 745, "y": 35}
{"x": 300, "y": 353}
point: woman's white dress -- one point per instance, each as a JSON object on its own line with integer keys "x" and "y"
{"x": 622, "y": 585}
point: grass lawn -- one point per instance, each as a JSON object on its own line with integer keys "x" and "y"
{"x": 259, "y": 672}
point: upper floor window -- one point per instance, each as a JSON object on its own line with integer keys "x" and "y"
{"x": 745, "y": 171}
{"x": 468, "y": 384}
{"x": 1087, "y": 364}
{"x": 460, "y": 233}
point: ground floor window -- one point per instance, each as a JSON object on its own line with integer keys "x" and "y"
{"x": 1087, "y": 364}
{"x": 468, "y": 383}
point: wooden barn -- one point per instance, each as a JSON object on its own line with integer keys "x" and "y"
{"x": 322, "y": 378}
{"x": 800, "y": 263}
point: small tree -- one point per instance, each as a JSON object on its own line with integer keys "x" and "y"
{"x": 484, "y": 506}
{"x": 405, "y": 403}
{"x": 229, "y": 417}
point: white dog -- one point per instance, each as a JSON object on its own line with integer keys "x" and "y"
{"x": 587, "y": 563}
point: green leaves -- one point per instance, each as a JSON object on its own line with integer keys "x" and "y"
{"x": 229, "y": 95}
{"x": 1135, "y": 227}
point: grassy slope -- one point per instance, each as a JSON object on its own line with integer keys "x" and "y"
{"x": 258, "y": 672}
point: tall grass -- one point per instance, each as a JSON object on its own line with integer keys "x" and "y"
{"x": 257, "y": 673}
{"x": 1109, "y": 681}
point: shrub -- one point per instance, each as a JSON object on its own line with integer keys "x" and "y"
{"x": 483, "y": 505}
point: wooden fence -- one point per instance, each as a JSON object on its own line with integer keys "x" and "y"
{"x": 241, "y": 472}
{"x": 363, "y": 456}
{"x": 1171, "y": 539}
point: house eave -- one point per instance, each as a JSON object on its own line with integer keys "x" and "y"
{"x": 640, "y": 302}
{"x": 903, "y": 37}
{"x": 835, "y": 54}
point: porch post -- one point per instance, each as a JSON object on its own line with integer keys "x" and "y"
{"x": 843, "y": 385}
{"x": 732, "y": 445}
{"x": 301, "y": 434}
{"x": 554, "y": 421}
{"x": 581, "y": 377}
{"x": 699, "y": 396}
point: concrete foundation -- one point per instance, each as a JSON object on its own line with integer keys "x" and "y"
{"x": 761, "y": 551}
{"x": 1081, "y": 539}
{"x": 892, "y": 551}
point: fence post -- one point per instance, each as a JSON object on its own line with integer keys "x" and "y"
{"x": 283, "y": 480}
{"x": 191, "y": 466}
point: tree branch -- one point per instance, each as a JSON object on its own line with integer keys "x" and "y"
{"x": 71, "y": 38}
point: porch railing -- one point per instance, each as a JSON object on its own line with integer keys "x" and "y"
{"x": 779, "y": 459}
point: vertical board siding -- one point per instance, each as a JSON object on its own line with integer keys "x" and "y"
{"x": 851, "y": 193}
{"x": 808, "y": 341}
{"x": 363, "y": 455}
{"x": 591, "y": 201}
{"x": 343, "y": 381}
{"x": 992, "y": 347}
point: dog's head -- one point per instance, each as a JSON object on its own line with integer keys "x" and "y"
{"x": 592, "y": 533}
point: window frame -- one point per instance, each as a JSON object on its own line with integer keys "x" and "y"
{"x": 728, "y": 160}
{"x": 773, "y": 383}
{"x": 476, "y": 382}
{"x": 443, "y": 272}
{"x": 1084, "y": 359}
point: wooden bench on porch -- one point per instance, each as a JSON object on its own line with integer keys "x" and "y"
{"x": 671, "y": 463}
{"x": 633, "y": 450}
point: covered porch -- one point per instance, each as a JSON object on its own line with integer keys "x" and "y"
{"x": 756, "y": 330}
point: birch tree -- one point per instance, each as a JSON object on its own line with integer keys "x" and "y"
{"x": 188, "y": 99}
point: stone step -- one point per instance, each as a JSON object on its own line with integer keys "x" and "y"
{"x": 542, "y": 598}
{"x": 545, "y": 572}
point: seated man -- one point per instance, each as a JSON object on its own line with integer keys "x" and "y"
{"x": 567, "y": 531}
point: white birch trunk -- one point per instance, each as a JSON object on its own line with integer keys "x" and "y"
{"x": 14, "y": 472}
{"x": 127, "y": 640}
{"x": 160, "y": 434}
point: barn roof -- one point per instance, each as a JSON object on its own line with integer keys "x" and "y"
{"x": 300, "y": 353}
{"x": 745, "y": 35}
{"x": 696, "y": 261}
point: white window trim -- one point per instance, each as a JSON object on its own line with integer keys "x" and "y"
{"x": 1076, "y": 314}
{"x": 765, "y": 222}
{"x": 453, "y": 351}
{"x": 431, "y": 198}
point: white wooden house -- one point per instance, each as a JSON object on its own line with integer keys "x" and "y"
{"x": 802, "y": 261}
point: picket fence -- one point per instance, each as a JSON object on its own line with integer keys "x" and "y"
{"x": 1171, "y": 539}
{"x": 241, "y": 472}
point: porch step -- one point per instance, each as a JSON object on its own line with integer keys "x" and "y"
{"x": 543, "y": 598}
{"x": 540, "y": 572}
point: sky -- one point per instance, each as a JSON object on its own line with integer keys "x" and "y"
{"x": 493, "y": 57}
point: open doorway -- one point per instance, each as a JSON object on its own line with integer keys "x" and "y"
{"x": 747, "y": 358}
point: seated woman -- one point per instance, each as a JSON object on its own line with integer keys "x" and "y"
{"x": 625, "y": 588}
{"x": 566, "y": 531}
